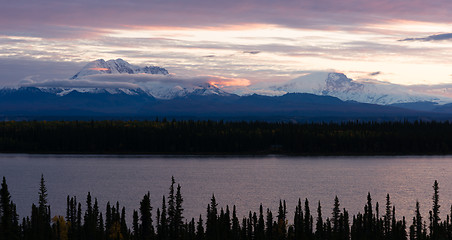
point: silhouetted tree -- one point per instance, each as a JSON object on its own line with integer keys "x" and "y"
{"x": 319, "y": 224}
{"x": 147, "y": 230}
{"x": 9, "y": 226}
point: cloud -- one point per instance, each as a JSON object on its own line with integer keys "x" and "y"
{"x": 14, "y": 70}
{"x": 78, "y": 84}
{"x": 444, "y": 90}
{"x": 228, "y": 82}
{"x": 133, "y": 81}
{"x": 437, "y": 37}
{"x": 183, "y": 35}
{"x": 53, "y": 17}
{"x": 252, "y": 52}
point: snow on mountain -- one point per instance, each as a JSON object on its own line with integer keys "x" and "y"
{"x": 150, "y": 80}
{"x": 120, "y": 77}
{"x": 65, "y": 91}
{"x": 170, "y": 90}
{"x": 340, "y": 86}
{"x": 117, "y": 66}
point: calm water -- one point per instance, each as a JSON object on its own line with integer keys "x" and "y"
{"x": 243, "y": 181}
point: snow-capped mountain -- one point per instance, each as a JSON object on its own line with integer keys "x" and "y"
{"x": 117, "y": 88}
{"x": 340, "y": 86}
{"x": 150, "y": 80}
{"x": 170, "y": 90}
{"x": 117, "y": 66}
{"x": 120, "y": 77}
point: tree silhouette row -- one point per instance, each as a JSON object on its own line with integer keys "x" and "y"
{"x": 218, "y": 224}
{"x": 218, "y": 137}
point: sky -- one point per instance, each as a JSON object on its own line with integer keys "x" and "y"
{"x": 406, "y": 42}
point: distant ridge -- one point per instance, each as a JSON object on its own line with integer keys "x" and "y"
{"x": 296, "y": 106}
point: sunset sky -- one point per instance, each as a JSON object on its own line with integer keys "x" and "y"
{"x": 397, "y": 41}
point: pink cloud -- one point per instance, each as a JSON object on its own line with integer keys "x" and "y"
{"x": 221, "y": 82}
{"x": 44, "y": 15}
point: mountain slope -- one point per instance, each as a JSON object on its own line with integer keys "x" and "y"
{"x": 117, "y": 66}
{"x": 34, "y": 101}
{"x": 115, "y": 74}
{"x": 340, "y": 86}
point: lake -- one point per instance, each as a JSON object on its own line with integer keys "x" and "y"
{"x": 243, "y": 181}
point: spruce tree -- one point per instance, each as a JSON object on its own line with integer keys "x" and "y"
{"x": 178, "y": 214}
{"x": 79, "y": 222}
{"x": 269, "y": 225}
{"x": 226, "y": 222}
{"x": 260, "y": 231}
{"x": 90, "y": 220}
{"x": 307, "y": 220}
{"x": 147, "y": 231}
{"x": 163, "y": 233}
{"x": 212, "y": 220}
{"x": 235, "y": 225}
{"x": 191, "y": 235}
{"x": 123, "y": 224}
{"x": 369, "y": 216}
{"x": 282, "y": 227}
{"x": 9, "y": 228}
{"x": 100, "y": 228}
{"x": 319, "y": 225}
{"x": 435, "y": 211}
{"x": 244, "y": 230}
{"x": 418, "y": 223}
{"x": 171, "y": 210}
{"x": 200, "y": 229}
{"x": 387, "y": 217}
{"x": 345, "y": 225}
{"x": 158, "y": 227}
{"x": 108, "y": 218}
{"x": 43, "y": 197}
{"x": 336, "y": 215}
{"x": 42, "y": 229}
{"x": 298, "y": 221}
{"x": 135, "y": 226}
{"x": 249, "y": 232}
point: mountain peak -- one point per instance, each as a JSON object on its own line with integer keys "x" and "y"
{"x": 339, "y": 85}
{"x": 118, "y": 66}
{"x": 339, "y": 82}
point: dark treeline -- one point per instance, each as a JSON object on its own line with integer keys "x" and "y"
{"x": 89, "y": 222}
{"x": 218, "y": 137}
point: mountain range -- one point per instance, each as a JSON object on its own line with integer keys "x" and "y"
{"x": 153, "y": 92}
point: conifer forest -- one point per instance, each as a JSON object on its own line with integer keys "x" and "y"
{"x": 163, "y": 219}
{"x": 219, "y": 137}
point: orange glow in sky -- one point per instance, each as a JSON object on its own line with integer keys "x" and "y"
{"x": 229, "y": 82}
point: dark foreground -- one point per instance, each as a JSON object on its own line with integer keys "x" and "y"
{"x": 218, "y": 224}
{"x": 218, "y": 137}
